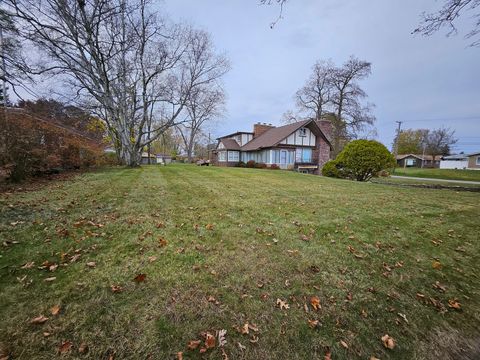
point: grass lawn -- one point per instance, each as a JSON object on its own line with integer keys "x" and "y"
{"x": 448, "y": 174}
{"x": 218, "y": 247}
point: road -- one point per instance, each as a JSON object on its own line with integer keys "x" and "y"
{"x": 438, "y": 180}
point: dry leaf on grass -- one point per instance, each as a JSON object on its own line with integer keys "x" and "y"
{"x": 152, "y": 258}
{"x": 83, "y": 348}
{"x": 50, "y": 279}
{"x": 65, "y": 347}
{"x": 39, "y": 320}
{"x": 344, "y": 344}
{"x": 282, "y": 304}
{"x": 180, "y": 355}
{"x": 315, "y": 302}
{"x": 209, "y": 341}
{"x": 221, "y": 337}
{"x": 313, "y": 323}
{"x": 55, "y": 310}
{"x": 388, "y": 341}
{"x": 193, "y": 344}
{"x": 140, "y": 278}
{"x": 116, "y": 288}
{"x": 162, "y": 242}
{"x": 209, "y": 226}
{"x": 328, "y": 356}
{"x": 454, "y": 304}
{"x": 91, "y": 264}
{"x": 437, "y": 265}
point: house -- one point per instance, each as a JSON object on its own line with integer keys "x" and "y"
{"x": 459, "y": 161}
{"x": 153, "y": 159}
{"x": 413, "y": 160}
{"x": 163, "y": 159}
{"x": 474, "y": 161}
{"x": 303, "y": 146}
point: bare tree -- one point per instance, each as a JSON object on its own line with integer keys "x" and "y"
{"x": 447, "y": 16}
{"x": 315, "y": 96}
{"x": 203, "y": 105}
{"x": 439, "y": 141}
{"x": 281, "y": 4}
{"x": 136, "y": 69}
{"x": 351, "y": 115}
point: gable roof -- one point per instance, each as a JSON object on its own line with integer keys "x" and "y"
{"x": 419, "y": 157}
{"x": 235, "y": 133}
{"x": 230, "y": 144}
{"x": 273, "y": 136}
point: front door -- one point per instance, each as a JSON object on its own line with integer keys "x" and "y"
{"x": 283, "y": 159}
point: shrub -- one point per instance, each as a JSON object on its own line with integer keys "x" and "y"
{"x": 240, "y": 164}
{"x": 383, "y": 173}
{"x": 250, "y": 164}
{"x": 260, "y": 165}
{"x": 361, "y": 160}
{"x": 330, "y": 169}
{"x": 274, "y": 167}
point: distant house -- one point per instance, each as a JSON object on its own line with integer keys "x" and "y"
{"x": 303, "y": 146}
{"x": 153, "y": 159}
{"x": 414, "y": 160}
{"x": 459, "y": 161}
{"x": 474, "y": 161}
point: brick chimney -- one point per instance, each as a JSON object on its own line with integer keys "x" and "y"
{"x": 260, "y": 128}
{"x": 326, "y": 126}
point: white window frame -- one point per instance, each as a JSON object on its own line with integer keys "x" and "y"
{"x": 222, "y": 156}
{"x": 233, "y": 156}
{"x": 478, "y": 160}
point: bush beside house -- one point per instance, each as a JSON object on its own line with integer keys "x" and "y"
{"x": 360, "y": 160}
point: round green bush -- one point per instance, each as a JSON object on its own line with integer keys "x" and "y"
{"x": 330, "y": 169}
{"x": 363, "y": 159}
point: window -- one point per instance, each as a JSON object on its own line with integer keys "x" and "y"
{"x": 303, "y": 132}
{"x": 233, "y": 156}
{"x": 303, "y": 155}
{"x": 222, "y": 156}
{"x": 478, "y": 160}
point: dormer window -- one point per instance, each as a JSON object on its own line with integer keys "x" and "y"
{"x": 303, "y": 132}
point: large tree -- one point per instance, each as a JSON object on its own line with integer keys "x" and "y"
{"x": 411, "y": 141}
{"x": 334, "y": 91}
{"x": 447, "y": 17}
{"x": 134, "y": 68}
{"x": 203, "y": 106}
{"x": 439, "y": 142}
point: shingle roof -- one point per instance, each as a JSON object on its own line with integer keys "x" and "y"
{"x": 230, "y": 144}
{"x": 273, "y": 136}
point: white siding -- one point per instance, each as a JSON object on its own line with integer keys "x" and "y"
{"x": 220, "y": 146}
{"x": 246, "y": 138}
{"x": 453, "y": 164}
{"x": 297, "y": 139}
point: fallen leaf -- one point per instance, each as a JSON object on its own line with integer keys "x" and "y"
{"x": 140, "y": 278}
{"x": 241, "y": 347}
{"x": 55, "y": 310}
{"x": 152, "y": 258}
{"x": 221, "y": 337}
{"x": 254, "y": 339}
{"x": 180, "y": 355}
{"x": 344, "y": 344}
{"x": 28, "y": 265}
{"x": 53, "y": 267}
{"x": 116, "y": 288}
{"x": 83, "y": 348}
{"x": 315, "y": 302}
{"x": 374, "y": 358}
{"x": 388, "y": 341}
{"x": 39, "y": 320}
{"x": 454, "y": 304}
{"x": 65, "y": 347}
{"x": 209, "y": 226}
{"x": 282, "y": 304}
{"x": 193, "y": 344}
{"x": 437, "y": 265}
{"x": 91, "y": 264}
{"x": 224, "y": 354}
{"x": 244, "y": 329}
{"x": 313, "y": 323}
{"x": 162, "y": 242}
{"x": 50, "y": 279}
{"x": 209, "y": 341}
{"x": 328, "y": 356}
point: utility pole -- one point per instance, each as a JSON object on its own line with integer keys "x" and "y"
{"x": 395, "y": 150}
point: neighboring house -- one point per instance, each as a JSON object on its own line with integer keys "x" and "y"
{"x": 303, "y": 146}
{"x": 163, "y": 158}
{"x": 413, "y": 160}
{"x": 459, "y": 161}
{"x": 153, "y": 158}
{"x": 474, "y": 161}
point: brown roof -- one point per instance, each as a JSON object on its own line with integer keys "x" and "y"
{"x": 273, "y": 136}
{"x": 230, "y": 144}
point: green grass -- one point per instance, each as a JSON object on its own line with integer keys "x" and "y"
{"x": 447, "y": 174}
{"x": 275, "y": 235}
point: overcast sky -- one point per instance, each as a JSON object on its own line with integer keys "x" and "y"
{"x": 424, "y": 82}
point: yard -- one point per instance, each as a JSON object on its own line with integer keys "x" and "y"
{"x": 137, "y": 263}
{"x": 447, "y": 174}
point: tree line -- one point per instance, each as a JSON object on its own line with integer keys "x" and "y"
{"x": 139, "y": 72}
